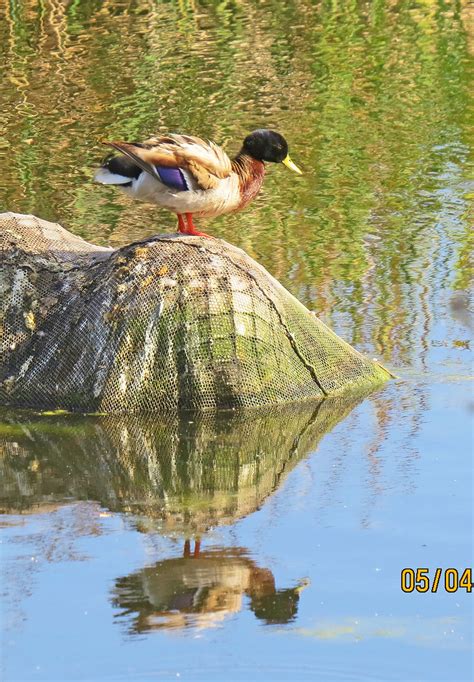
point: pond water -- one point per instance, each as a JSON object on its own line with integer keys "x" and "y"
{"x": 269, "y": 545}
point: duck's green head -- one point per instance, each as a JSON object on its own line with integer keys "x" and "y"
{"x": 268, "y": 145}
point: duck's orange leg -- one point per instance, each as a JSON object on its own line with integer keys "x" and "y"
{"x": 181, "y": 224}
{"x": 191, "y": 229}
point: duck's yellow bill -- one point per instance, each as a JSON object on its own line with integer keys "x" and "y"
{"x": 292, "y": 166}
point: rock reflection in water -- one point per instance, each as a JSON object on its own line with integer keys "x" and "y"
{"x": 177, "y": 475}
{"x": 200, "y": 589}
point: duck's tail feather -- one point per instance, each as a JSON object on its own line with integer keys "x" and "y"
{"x": 105, "y": 177}
{"x": 117, "y": 170}
{"x": 132, "y": 153}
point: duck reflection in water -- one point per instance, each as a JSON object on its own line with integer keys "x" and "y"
{"x": 200, "y": 589}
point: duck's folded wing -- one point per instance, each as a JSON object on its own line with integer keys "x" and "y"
{"x": 205, "y": 161}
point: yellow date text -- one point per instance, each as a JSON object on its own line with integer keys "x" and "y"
{"x": 433, "y": 580}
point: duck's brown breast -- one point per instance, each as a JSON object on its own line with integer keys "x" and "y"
{"x": 251, "y": 173}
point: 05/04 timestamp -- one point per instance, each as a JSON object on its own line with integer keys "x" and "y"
{"x": 449, "y": 579}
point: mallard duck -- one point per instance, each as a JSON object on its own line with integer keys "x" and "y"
{"x": 192, "y": 177}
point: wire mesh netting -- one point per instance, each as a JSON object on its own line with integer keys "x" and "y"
{"x": 173, "y": 322}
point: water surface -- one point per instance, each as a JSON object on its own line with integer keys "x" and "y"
{"x": 266, "y": 546}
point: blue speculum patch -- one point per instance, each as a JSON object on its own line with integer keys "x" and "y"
{"x": 172, "y": 177}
